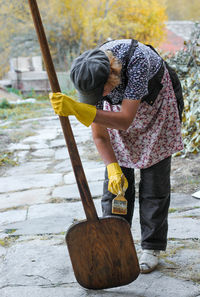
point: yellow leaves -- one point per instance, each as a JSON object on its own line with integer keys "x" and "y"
{"x": 78, "y": 25}
{"x": 150, "y": 17}
{"x": 192, "y": 119}
{"x": 88, "y": 23}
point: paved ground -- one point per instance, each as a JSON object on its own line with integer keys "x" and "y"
{"x": 39, "y": 200}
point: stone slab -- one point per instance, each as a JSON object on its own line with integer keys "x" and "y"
{"x": 43, "y": 153}
{"x": 49, "y": 133}
{"x": 40, "y": 218}
{"x": 21, "y": 183}
{"x": 12, "y": 216}
{"x": 181, "y": 260}
{"x": 2, "y": 252}
{"x": 62, "y": 154}
{"x": 193, "y": 212}
{"x": 57, "y": 143}
{"x": 38, "y": 262}
{"x": 39, "y": 146}
{"x": 71, "y": 210}
{"x": 183, "y": 228}
{"x": 32, "y": 167}
{"x": 74, "y": 291}
{"x": 21, "y": 156}
{"x": 33, "y": 291}
{"x": 92, "y": 174}
{"x": 31, "y": 139}
{"x": 42, "y": 135}
{"x": 51, "y": 218}
{"x": 71, "y": 191}
{"x": 90, "y": 164}
{"x": 29, "y": 197}
{"x": 18, "y": 147}
{"x": 47, "y": 225}
{"x": 179, "y": 200}
{"x": 41, "y": 282}
{"x": 82, "y": 137}
{"x": 63, "y": 167}
{"x": 77, "y": 127}
{"x": 58, "y": 217}
{"x": 188, "y": 258}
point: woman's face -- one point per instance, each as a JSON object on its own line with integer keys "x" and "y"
{"x": 107, "y": 89}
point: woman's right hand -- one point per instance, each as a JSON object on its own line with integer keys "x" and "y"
{"x": 64, "y": 106}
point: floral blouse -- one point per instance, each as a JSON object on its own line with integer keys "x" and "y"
{"x": 155, "y": 132}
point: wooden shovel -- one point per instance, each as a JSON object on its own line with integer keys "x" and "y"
{"x": 102, "y": 251}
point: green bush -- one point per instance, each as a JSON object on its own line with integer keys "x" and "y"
{"x": 4, "y": 104}
{"x": 187, "y": 64}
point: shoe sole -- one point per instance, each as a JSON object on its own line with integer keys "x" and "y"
{"x": 148, "y": 270}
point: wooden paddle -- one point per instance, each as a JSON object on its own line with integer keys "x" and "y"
{"x": 102, "y": 251}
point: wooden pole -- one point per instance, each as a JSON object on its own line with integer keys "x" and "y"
{"x": 84, "y": 190}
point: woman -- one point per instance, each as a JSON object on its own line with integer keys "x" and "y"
{"x": 127, "y": 97}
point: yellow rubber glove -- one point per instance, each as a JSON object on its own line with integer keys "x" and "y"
{"x": 115, "y": 179}
{"x": 65, "y": 106}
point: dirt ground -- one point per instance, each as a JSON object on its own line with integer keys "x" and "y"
{"x": 185, "y": 174}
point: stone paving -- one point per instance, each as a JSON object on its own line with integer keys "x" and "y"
{"x": 39, "y": 200}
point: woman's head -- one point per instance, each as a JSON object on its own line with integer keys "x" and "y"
{"x": 114, "y": 77}
{"x": 93, "y": 70}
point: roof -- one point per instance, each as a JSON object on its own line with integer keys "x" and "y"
{"x": 176, "y": 33}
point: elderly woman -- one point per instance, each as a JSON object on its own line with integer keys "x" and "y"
{"x": 127, "y": 97}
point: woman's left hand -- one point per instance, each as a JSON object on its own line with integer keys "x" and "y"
{"x": 117, "y": 181}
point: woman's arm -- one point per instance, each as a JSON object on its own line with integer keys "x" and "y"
{"x": 118, "y": 120}
{"x": 86, "y": 114}
{"x": 102, "y": 141}
{"x": 115, "y": 174}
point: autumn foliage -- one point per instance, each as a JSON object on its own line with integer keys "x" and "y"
{"x": 74, "y": 26}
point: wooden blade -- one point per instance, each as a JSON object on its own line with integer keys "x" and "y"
{"x": 102, "y": 253}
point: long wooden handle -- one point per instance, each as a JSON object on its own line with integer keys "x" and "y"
{"x": 84, "y": 190}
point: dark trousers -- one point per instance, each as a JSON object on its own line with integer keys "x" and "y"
{"x": 154, "y": 200}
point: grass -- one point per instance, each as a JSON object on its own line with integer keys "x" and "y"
{"x": 15, "y": 91}
{"x": 196, "y": 278}
{"x": 71, "y": 93}
{"x": 18, "y": 112}
{"x": 24, "y": 111}
{"x": 191, "y": 217}
{"x": 2, "y": 242}
{"x": 10, "y": 231}
{"x": 17, "y": 136}
{"x": 14, "y": 114}
{"x": 4, "y": 104}
{"x": 172, "y": 210}
{"x": 172, "y": 251}
{"x": 7, "y": 241}
{"x": 193, "y": 181}
{"x": 6, "y": 158}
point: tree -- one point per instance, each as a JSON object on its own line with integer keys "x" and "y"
{"x": 83, "y": 25}
{"x": 74, "y": 26}
{"x": 17, "y": 36}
